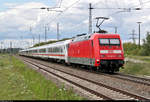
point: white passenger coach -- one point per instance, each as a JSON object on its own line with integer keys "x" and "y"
{"x": 58, "y": 50}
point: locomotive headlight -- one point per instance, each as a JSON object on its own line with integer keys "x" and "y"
{"x": 103, "y": 51}
{"x": 97, "y": 60}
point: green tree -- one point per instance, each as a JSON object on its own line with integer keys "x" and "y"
{"x": 146, "y": 45}
{"x": 130, "y": 48}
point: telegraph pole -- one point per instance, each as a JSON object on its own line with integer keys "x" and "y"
{"x": 115, "y": 30}
{"x": 57, "y": 31}
{"x": 10, "y": 47}
{"x": 45, "y": 33}
{"x": 139, "y": 33}
{"x": 133, "y": 36}
{"x": 39, "y": 38}
{"x": 32, "y": 35}
{"x": 90, "y": 18}
{"x": 33, "y": 40}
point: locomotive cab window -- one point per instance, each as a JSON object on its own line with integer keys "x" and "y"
{"x": 115, "y": 41}
{"x": 104, "y": 41}
{"x": 109, "y": 41}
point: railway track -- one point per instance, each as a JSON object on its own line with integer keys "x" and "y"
{"x": 122, "y": 76}
{"x": 132, "y": 78}
{"x": 97, "y": 88}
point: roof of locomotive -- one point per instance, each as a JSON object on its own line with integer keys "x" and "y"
{"x": 49, "y": 45}
{"x": 92, "y": 36}
{"x": 105, "y": 35}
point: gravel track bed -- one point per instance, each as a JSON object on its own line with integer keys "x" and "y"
{"x": 139, "y": 89}
{"x": 136, "y": 79}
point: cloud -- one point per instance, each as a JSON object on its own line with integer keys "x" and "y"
{"x": 17, "y": 22}
{"x": 19, "y": 19}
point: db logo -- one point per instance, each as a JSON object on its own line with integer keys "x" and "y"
{"x": 110, "y": 51}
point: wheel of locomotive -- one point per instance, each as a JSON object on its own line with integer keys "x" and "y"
{"x": 111, "y": 71}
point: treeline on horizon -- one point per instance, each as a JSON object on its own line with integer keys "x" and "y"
{"x": 49, "y": 42}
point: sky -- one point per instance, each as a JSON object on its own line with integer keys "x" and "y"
{"x": 22, "y": 20}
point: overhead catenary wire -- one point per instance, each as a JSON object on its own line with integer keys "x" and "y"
{"x": 127, "y": 9}
{"x": 70, "y": 6}
{"x": 102, "y": 8}
{"x": 79, "y": 0}
{"x": 63, "y": 11}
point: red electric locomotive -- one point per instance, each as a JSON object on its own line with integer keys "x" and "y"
{"x": 100, "y": 51}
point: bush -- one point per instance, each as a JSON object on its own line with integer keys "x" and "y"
{"x": 130, "y": 48}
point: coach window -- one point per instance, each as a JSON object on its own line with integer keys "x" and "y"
{"x": 60, "y": 50}
{"x": 55, "y": 49}
{"x": 40, "y": 50}
{"x": 49, "y": 49}
{"x": 34, "y": 51}
{"x": 44, "y": 50}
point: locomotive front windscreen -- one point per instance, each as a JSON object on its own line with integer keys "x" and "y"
{"x": 109, "y": 41}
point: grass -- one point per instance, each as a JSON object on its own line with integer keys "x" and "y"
{"x": 18, "y": 82}
{"x": 143, "y": 58}
{"x": 137, "y": 68}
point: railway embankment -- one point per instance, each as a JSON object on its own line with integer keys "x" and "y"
{"x": 136, "y": 86}
{"x": 19, "y": 82}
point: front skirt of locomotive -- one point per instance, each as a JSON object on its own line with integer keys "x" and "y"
{"x": 111, "y": 65}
